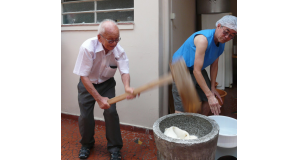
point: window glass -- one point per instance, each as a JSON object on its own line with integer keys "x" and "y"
{"x": 73, "y": 7}
{"x": 78, "y": 18}
{"x": 71, "y": 0}
{"x": 117, "y": 16}
{"x": 110, "y": 6}
{"x": 114, "y": 4}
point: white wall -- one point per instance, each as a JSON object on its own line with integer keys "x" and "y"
{"x": 142, "y": 48}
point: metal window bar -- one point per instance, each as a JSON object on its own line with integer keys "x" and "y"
{"x": 78, "y": 1}
{"x": 95, "y": 14}
{"x": 95, "y": 9}
{"x": 98, "y": 11}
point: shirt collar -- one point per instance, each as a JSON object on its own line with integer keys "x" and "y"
{"x": 100, "y": 48}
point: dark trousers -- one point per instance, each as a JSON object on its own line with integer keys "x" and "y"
{"x": 86, "y": 119}
{"x": 177, "y": 100}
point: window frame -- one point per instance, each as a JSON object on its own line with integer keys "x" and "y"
{"x": 95, "y": 11}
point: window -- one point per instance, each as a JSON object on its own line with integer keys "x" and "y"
{"x": 94, "y": 11}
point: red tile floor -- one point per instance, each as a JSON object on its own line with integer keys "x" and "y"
{"x": 70, "y": 145}
{"x": 70, "y": 136}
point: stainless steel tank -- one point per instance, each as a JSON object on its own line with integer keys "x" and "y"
{"x": 213, "y": 6}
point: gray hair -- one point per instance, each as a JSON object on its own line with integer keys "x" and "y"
{"x": 101, "y": 28}
{"x": 228, "y": 21}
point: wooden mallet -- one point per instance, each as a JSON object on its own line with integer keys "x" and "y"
{"x": 186, "y": 89}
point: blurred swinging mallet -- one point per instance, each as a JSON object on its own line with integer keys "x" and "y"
{"x": 184, "y": 84}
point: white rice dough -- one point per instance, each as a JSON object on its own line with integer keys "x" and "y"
{"x": 177, "y": 133}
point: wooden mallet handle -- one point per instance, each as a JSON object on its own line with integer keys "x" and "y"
{"x": 163, "y": 80}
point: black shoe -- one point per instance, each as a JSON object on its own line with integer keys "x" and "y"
{"x": 116, "y": 156}
{"x": 84, "y": 152}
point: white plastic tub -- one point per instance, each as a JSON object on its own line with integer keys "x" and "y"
{"x": 228, "y": 131}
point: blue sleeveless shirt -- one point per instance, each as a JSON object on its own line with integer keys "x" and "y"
{"x": 188, "y": 49}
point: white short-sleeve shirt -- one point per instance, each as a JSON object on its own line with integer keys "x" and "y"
{"x": 93, "y": 63}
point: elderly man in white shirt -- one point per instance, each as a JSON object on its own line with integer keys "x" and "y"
{"x": 98, "y": 59}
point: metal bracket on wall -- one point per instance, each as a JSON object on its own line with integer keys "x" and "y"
{"x": 172, "y": 16}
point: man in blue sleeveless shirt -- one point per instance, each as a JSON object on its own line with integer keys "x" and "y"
{"x": 200, "y": 50}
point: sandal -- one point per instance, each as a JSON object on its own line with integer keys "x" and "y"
{"x": 84, "y": 153}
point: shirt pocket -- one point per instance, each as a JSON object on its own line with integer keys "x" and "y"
{"x": 109, "y": 72}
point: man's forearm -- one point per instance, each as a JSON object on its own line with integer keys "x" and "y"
{"x": 90, "y": 87}
{"x": 213, "y": 75}
{"x": 126, "y": 80}
{"x": 201, "y": 81}
{"x": 213, "y": 72}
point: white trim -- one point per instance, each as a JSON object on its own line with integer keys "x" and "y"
{"x": 93, "y": 27}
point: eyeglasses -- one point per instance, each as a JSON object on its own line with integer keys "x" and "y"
{"x": 112, "y": 41}
{"x": 226, "y": 33}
